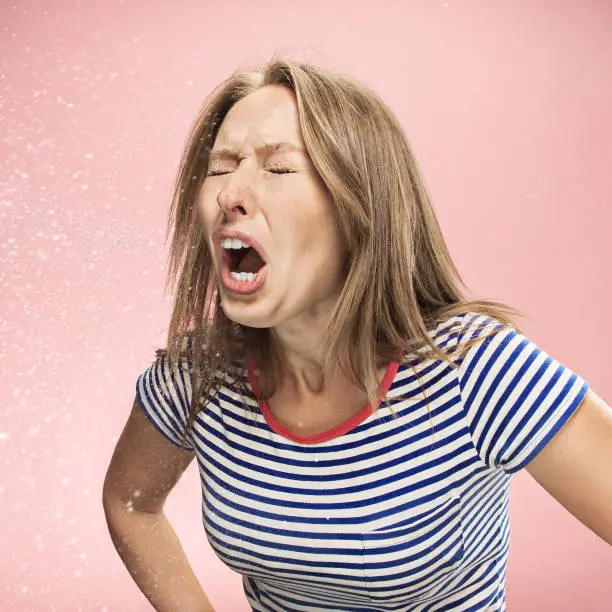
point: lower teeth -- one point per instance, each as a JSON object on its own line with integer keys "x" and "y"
{"x": 243, "y": 276}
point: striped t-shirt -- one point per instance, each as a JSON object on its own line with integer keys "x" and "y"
{"x": 381, "y": 513}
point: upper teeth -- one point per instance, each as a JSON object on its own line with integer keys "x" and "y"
{"x": 234, "y": 243}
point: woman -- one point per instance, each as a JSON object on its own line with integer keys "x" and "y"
{"x": 356, "y": 420}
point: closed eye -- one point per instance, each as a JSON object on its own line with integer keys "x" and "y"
{"x": 272, "y": 170}
{"x": 281, "y": 170}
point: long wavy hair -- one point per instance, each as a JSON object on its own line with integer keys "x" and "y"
{"x": 400, "y": 280}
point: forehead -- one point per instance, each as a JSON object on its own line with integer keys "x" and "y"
{"x": 268, "y": 114}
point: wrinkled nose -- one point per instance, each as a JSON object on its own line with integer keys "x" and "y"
{"x": 237, "y": 197}
{"x": 231, "y": 201}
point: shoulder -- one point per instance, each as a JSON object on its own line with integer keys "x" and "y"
{"x": 456, "y": 334}
{"x": 473, "y": 328}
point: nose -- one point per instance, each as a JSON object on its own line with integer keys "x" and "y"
{"x": 236, "y": 197}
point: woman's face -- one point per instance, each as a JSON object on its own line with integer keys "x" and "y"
{"x": 262, "y": 188}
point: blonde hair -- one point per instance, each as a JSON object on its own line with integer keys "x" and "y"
{"x": 400, "y": 278}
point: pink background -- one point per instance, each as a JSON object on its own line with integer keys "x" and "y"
{"x": 507, "y": 105}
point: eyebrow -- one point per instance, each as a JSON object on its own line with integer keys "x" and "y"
{"x": 224, "y": 153}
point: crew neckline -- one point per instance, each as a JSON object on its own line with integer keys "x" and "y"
{"x": 328, "y": 434}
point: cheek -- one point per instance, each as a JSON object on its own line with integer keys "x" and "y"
{"x": 313, "y": 238}
{"x": 208, "y": 211}
{"x": 317, "y": 255}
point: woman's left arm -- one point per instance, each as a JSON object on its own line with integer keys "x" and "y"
{"x": 575, "y": 467}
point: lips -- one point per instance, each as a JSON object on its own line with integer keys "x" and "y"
{"x": 220, "y": 234}
{"x": 231, "y": 284}
{"x": 242, "y": 287}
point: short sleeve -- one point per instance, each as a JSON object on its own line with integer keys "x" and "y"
{"x": 165, "y": 395}
{"x": 515, "y": 396}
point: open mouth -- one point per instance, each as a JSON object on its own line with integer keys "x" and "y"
{"x": 243, "y": 268}
{"x": 244, "y": 262}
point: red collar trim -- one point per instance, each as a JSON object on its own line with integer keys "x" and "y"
{"x": 334, "y": 432}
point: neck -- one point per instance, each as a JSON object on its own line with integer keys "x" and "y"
{"x": 302, "y": 360}
{"x": 299, "y": 342}
{"x": 302, "y": 368}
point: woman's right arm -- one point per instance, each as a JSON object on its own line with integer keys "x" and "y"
{"x": 144, "y": 468}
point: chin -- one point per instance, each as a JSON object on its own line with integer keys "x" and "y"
{"x": 245, "y": 313}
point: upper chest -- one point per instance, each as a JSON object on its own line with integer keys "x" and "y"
{"x": 316, "y": 414}
{"x": 312, "y": 414}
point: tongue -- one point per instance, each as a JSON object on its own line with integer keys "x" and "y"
{"x": 251, "y": 262}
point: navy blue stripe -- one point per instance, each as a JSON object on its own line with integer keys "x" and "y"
{"x": 151, "y": 404}
{"x": 362, "y": 503}
{"x": 288, "y": 599}
{"x": 478, "y": 587}
{"x": 158, "y": 379}
{"x": 494, "y": 386}
{"x": 502, "y": 428}
{"x": 561, "y": 420}
{"x": 259, "y": 560}
{"x": 149, "y": 416}
{"x": 250, "y": 471}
